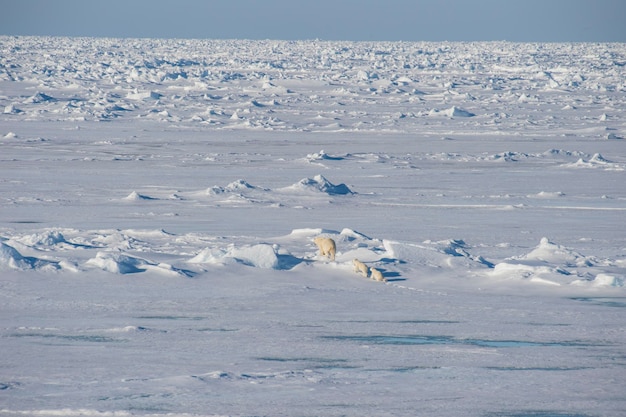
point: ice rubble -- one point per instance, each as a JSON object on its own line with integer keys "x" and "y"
{"x": 119, "y": 263}
{"x": 322, "y": 156}
{"x": 596, "y": 161}
{"x": 272, "y": 80}
{"x": 241, "y": 192}
{"x": 553, "y": 264}
{"x": 235, "y": 186}
{"x": 10, "y": 258}
{"x": 548, "y": 263}
{"x": 319, "y": 184}
{"x": 258, "y": 256}
{"x": 452, "y": 112}
{"x": 135, "y": 196}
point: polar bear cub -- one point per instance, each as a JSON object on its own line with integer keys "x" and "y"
{"x": 326, "y": 246}
{"x": 360, "y": 267}
{"x": 377, "y": 275}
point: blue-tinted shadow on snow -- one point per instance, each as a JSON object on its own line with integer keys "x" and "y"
{"x": 537, "y": 413}
{"x": 63, "y": 339}
{"x": 287, "y": 262}
{"x": 449, "y": 340}
{"x": 10, "y": 257}
{"x": 312, "y": 362}
{"x": 536, "y": 368}
{"x": 604, "y": 301}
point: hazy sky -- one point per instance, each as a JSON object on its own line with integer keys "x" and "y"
{"x": 410, "y": 20}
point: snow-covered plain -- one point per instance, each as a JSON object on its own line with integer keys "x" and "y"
{"x": 159, "y": 200}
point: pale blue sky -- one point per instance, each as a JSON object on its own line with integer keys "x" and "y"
{"x": 409, "y": 20}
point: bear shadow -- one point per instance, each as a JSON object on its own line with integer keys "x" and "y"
{"x": 391, "y": 276}
{"x": 392, "y": 261}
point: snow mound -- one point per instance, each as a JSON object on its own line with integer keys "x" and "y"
{"x": 47, "y": 238}
{"x": 596, "y": 161}
{"x": 603, "y": 280}
{"x": 458, "y": 248}
{"x": 509, "y": 156}
{"x": 547, "y": 195}
{"x": 562, "y": 152}
{"x": 598, "y": 158}
{"x": 235, "y": 186}
{"x": 135, "y": 196}
{"x": 441, "y": 254}
{"x": 353, "y": 234}
{"x": 259, "y": 256}
{"x": 543, "y": 274}
{"x": 346, "y": 233}
{"x": 552, "y": 253}
{"x": 119, "y": 263}
{"x": 10, "y": 258}
{"x": 452, "y": 112}
{"x": 608, "y": 280}
{"x": 322, "y": 156}
{"x": 257, "y": 103}
{"x": 11, "y": 109}
{"x": 310, "y": 233}
{"x": 116, "y": 263}
{"x": 144, "y": 95}
{"x": 320, "y": 184}
{"x": 39, "y": 98}
{"x": 457, "y": 112}
{"x": 548, "y": 263}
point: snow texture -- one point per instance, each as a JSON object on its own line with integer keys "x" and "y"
{"x": 159, "y": 201}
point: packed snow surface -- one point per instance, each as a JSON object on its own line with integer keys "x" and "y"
{"x": 159, "y": 201}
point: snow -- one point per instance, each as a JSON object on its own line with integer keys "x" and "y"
{"x": 160, "y": 198}
{"x": 258, "y": 256}
{"x": 319, "y": 184}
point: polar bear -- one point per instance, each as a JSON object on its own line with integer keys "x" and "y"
{"x": 360, "y": 267}
{"x": 377, "y": 275}
{"x": 326, "y": 246}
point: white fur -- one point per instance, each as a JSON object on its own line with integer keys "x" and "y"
{"x": 326, "y": 246}
{"x": 360, "y": 267}
{"x": 377, "y": 275}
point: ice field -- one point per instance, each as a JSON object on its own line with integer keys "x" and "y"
{"x": 159, "y": 200}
